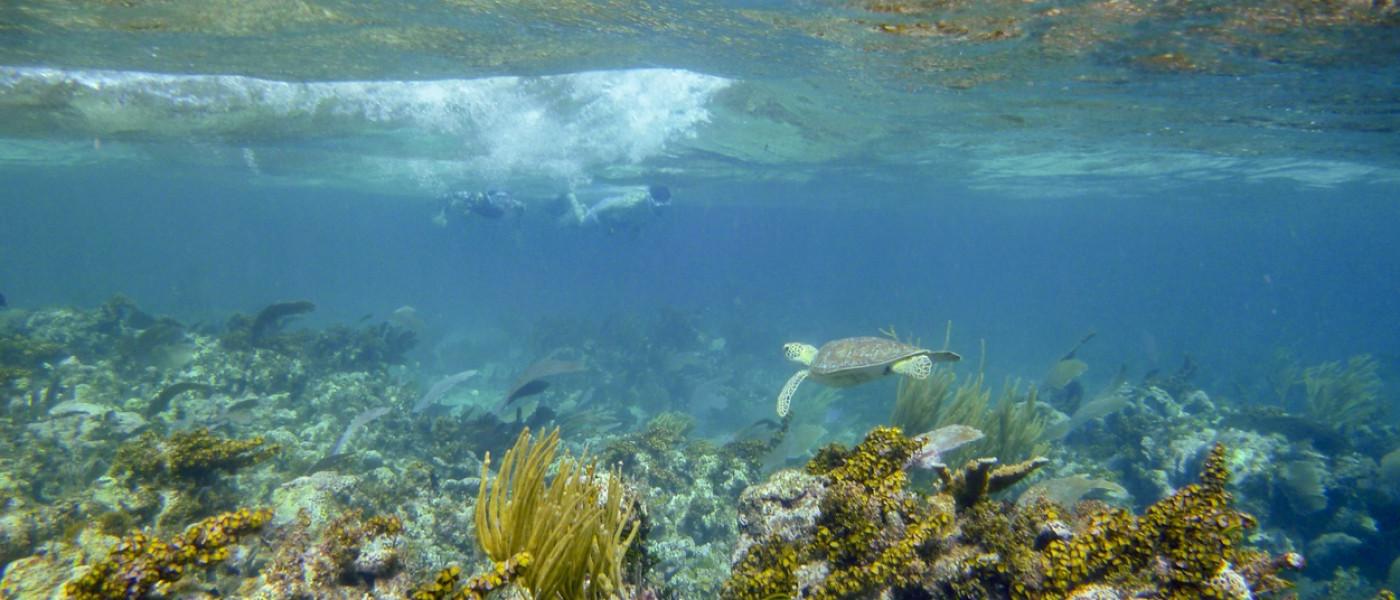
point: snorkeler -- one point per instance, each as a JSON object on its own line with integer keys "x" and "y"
{"x": 491, "y": 204}
{"x": 627, "y": 210}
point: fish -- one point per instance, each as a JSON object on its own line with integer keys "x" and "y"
{"x": 934, "y": 444}
{"x": 529, "y": 382}
{"x": 162, "y": 399}
{"x": 2, "y": 301}
{"x": 440, "y": 388}
{"x": 332, "y": 462}
{"x": 529, "y": 388}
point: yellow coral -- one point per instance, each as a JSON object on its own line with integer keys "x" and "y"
{"x": 768, "y": 570}
{"x": 1194, "y": 530}
{"x": 187, "y": 457}
{"x": 140, "y": 563}
{"x": 870, "y": 527}
{"x": 444, "y": 586}
{"x": 873, "y": 535}
{"x": 195, "y": 453}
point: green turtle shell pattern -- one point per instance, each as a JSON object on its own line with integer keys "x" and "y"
{"x": 859, "y": 359}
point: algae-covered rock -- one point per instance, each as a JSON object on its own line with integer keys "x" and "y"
{"x": 319, "y": 497}
{"x": 38, "y": 576}
{"x": 785, "y": 507}
{"x": 856, "y": 528}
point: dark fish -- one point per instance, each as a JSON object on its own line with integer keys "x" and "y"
{"x": 162, "y": 399}
{"x": 272, "y": 317}
{"x": 1084, "y": 340}
{"x": 333, "y": 462}
{"x": 529, "y": 388}
{"x": 2, "y": 301}
{"x": 528, "y": 384}
{"x": 242, "y": 405}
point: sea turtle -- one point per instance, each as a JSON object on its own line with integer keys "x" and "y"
{"x": 849, "y": 361}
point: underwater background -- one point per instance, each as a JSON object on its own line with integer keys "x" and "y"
{"x": 246, "y": 311}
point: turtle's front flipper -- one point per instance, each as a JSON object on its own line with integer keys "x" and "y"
{"x": 917, "y": 367}
{"x": 790, "y": 388}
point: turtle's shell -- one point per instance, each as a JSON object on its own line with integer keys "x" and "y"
{"x": 850, "y": 361}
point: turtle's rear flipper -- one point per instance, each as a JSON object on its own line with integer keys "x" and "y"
{"x": 917, "y": 367}
{"x": 945, "y": 356}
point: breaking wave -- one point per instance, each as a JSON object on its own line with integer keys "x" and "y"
{"x": 556, "y": 127}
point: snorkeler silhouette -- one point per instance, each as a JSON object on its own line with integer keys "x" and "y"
{"x": 491, "y": 204}
{"x": 627, "y": 210}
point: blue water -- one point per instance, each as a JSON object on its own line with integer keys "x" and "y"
{"x": 1225, "y": 273}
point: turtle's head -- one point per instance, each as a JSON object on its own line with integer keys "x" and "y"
{"x": 799, "y": 352}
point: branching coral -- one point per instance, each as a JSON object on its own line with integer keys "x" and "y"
{"x": 766, "y": 571}
{"x": 868, "y": 531}
{"x": 1194, "y": 535}
{"x": 20, "y": 355}
{"x": 983, "y": 477}
{"x": 188, "y": 456}
{"x": 576, "y": 527}
{"x": 444, "y": 586}
{"x": 873, "y": 536}
{"x": 140, "y": 564}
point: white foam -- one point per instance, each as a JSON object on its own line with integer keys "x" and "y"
{"x": 500, "y": 128}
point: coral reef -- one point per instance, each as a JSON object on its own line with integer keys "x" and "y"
{"x": 690, "y": 488}
{"x": 126, "y": 421}
{"x": 20, "y": 355}
{"x": 335, "y": 348}
{"x": 863, "y": 535}
{"x": 870, "y": 534}
{"x": 345, "y": 556}
{"x": 444, "y": 586}
{"x": 187, "y": 456}
{"x": 105, "y": 407}
{"x": 139, "y": 563}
